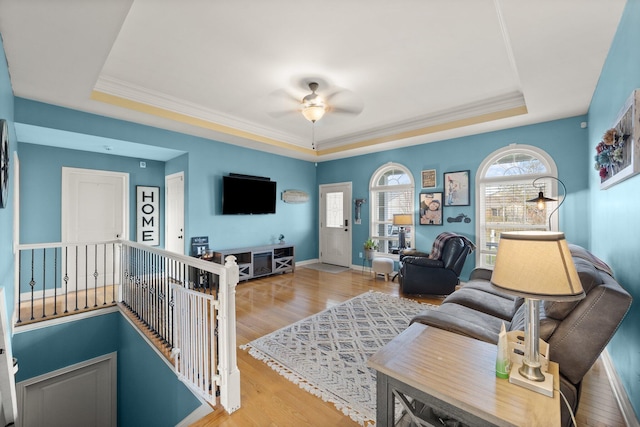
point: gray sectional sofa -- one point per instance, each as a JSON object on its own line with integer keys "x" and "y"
{"x": 577, "y": 332}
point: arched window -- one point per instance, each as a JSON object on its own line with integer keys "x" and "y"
{"x": 504, "y": 183}
{"x": 391, "y": 191}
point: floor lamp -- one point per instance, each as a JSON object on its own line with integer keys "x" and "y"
{"x": 541, "y": 200}
{"x": 535, "y": 265}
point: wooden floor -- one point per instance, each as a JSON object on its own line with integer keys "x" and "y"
{"x": 268, "y": 399}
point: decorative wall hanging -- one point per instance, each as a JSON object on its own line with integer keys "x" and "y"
{"x": 358, "y": 203}
{"x": 618, "y": 154}
{"x": 429, "y": 178}
{"x": 4, "y": 163}
{"x": 148, "y": 215}
{"x": 431, "y": 208}
{"x": 456, "y": 188}
{"x": 295, "y": 196}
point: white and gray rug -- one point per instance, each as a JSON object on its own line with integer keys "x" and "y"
{"x": 326, "y": 354}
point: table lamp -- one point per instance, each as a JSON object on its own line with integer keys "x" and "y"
{"x": 402, "y": 220}
{"x": 535, "y": 265}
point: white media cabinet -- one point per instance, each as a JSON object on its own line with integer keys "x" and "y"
{"x": 260, "y": 261}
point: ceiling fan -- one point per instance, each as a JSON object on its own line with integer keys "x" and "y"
{"x": 313, "y": 106}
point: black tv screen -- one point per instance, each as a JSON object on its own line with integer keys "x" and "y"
{"x": 248, "y": 195}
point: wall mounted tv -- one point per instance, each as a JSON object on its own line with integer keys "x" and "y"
{"x": 248, "y": 195}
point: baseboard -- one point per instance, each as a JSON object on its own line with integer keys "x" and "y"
{"x": 619, "y": 393}
{"x": 202, "y": 411}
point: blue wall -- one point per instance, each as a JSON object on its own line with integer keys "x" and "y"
{"x": 6, "y": 214}
{"x": 615, "y": 212}
{"x": 40, "y": 187}
{"x": 149, "y": 393}
{"x": 205, "y": 164}
{"x": 563, "y": 140}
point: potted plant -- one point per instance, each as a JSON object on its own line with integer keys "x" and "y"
{"x": 370, "y": 247}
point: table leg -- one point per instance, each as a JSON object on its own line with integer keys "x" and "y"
{"x": 384, "y": 401}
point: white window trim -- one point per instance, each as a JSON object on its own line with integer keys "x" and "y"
{"x": 411, "y": 186}
{"x": 540, "y": 154}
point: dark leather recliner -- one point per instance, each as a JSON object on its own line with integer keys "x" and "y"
{"x": 422, "y": 275}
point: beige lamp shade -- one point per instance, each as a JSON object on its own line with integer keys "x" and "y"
{"x": 402, "y": 219}
{"x": 536, "y": 264}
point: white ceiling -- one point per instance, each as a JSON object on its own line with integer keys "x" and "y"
{"x": 233, "y": 71}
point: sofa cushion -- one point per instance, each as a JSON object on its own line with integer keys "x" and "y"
{"x": 461, "y": 320}
{"x": 547, "y": 326}
{"x": 589, "y": 278}
{"x": 475, "y": 296}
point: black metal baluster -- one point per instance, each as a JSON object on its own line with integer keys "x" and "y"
{"x": 86, "y": 276}
{"x": 32, "y": 282}
{"x": 66, "y": 279}
{"x": 95, "y": 276}
{"x": 76, "y": 279}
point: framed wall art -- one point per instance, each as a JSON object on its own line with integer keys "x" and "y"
{"x": 456, "y": 188}
{"x": 431, "y": 208}
{"x": 429, "y": 178}
{"x": 618, "y": 153}
{"x": 148, "y": 215}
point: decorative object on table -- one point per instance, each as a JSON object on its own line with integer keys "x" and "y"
{"x": 281, "y": 239}
{"x": 535, "y": 265}
{"x": 199, "y": 246}
{"x": 456, "y": 188}
{"x": 357, "y": 215}
{"x": 370, "y": 247}
{"x": 295, "y": 196}
{"x": 541, "y": 200}
{"x": 460, "y": 218}
{"x": 148, "y": 215}
{"x": 429, "y": 178}
{"x": 326, "y": 354}
{"x": 402, "y": 220}
{"x": 4, "y": 163}
{"x": 618, "y": 153}
{"x": 431, "y": 208}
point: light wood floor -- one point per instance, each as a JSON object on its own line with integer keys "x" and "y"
{"x": 268, "y": 399}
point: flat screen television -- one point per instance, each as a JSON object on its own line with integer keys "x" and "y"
{"x": 245, "y": 195}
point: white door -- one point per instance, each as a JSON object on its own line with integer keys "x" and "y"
{"x": 174, "y": 212}
{"x": 335, "y": 224}
{"x": 95, "y": 206}
{"x": 79, "y": 395}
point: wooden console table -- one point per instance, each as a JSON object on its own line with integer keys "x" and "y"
{"x": 260, "y": 261}
{"x": 456, "y": 374}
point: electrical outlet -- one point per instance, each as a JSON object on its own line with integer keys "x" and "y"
{"x": 360, "y": 254}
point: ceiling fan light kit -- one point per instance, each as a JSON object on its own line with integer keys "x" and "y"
{"x": 313, "y": 107}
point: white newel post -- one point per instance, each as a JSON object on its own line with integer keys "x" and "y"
{"x": 229, "y": 373}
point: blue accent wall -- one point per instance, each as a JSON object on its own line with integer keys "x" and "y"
{"x": 149, "y": 393}
{"x": 563, "y": 140}
{"x": 6, "y": 214}
{"x": 615, "y": 212}
{"x": 40, "y": 187}
{"x": 205, "y": 163}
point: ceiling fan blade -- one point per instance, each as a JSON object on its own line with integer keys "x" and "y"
{"x": 344, "y": 101}
{"x": 281, "y": 103}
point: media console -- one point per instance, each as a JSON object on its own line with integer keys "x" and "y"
{"x": 260, "y": 261}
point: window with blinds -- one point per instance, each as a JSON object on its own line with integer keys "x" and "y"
{"x": 391, "y": 192}
{"x": 505, "y": 183}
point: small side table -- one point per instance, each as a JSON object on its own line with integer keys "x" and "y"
{"x": 455, "y": 374}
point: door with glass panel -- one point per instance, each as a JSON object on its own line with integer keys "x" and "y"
{"x": 335, "y": 224}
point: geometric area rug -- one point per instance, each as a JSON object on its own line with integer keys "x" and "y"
{"x": 326, "y": 354}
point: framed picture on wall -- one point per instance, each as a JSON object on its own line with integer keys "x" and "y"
{"x": 456, "y": 188}
{"x": 431, "y": 208}
{"x": 429, "y": 178}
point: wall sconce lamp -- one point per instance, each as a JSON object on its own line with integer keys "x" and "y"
{"x": 541, "y": 200}
{"x": 358, "y": 203}
{"x": 535, "y": 265}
